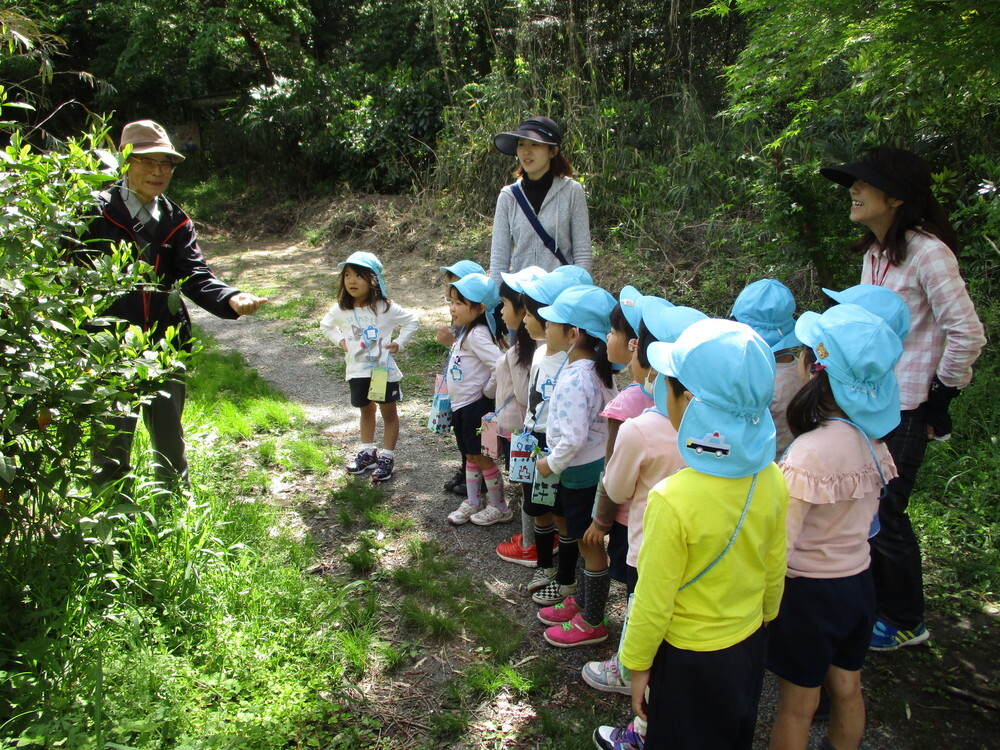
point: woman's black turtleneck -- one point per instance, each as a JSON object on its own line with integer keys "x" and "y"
{"x": 536, "y": 190}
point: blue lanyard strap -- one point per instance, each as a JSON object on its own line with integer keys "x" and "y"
{"x": 878, "y": 466}
{"x": 497, "y": 412}
{"x": 743, "y": 515}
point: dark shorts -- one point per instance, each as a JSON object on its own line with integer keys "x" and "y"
{"x": 822, "y": 622}
{"x": 466, "y": 423}
{"x": 359, "y": 392}
{"x": 705, "y": 700}
{"x": 578, "y": 509}
{"x": 617, "y": 552}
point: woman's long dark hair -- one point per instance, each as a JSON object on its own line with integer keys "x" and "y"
{"x": 814, "y": 403}
{"x": 346, "y": 301}
{"x": 921, "y": 214}
{"x": 524, "y": 345}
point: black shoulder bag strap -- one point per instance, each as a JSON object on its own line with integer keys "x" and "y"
{"x": 536, "y": 225}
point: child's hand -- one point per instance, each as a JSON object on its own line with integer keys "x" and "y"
{"x": 343, "y": 344}
{"x": 542, "y": 467}
{"x": 640, "y": 681}
{"x": 594, "y": 535}
{"x": 445, "y": 336}
{"x": 393, "y": 347}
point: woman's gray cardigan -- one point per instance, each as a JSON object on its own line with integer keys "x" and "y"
{"x": 563, "y": 215}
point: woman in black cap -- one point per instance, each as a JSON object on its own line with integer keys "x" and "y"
{"x": 541, "y": 219}
{"x": 911, "y": 248}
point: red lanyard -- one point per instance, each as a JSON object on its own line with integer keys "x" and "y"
{"x": 881, "y": 280}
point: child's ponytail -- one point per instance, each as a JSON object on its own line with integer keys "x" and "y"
{"x": 599, "y": 348}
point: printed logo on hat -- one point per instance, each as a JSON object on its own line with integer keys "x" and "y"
{"x": 821, "y": 351}
{"x": 713, "y": 442}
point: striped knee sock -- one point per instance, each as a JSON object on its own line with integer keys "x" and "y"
{"x": 472, "y": 475}
{"x": 494, "y": 488}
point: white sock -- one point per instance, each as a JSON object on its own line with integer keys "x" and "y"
{"x": 386, "y": 453}
{"x": 368, "y": 447}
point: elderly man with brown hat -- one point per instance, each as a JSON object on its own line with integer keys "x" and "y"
{"x": 135, "y": 210}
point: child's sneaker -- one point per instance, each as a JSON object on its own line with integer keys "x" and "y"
{"x": 618, "y": 738}
{"x": 606, "y": 676}
{"x": 490, "y": 515}
{"x": 559, "y": 613}
{"x": 542, "y": 578}
{"x": 576, "y": 632}
{"x": 553, "y": 593}
{"x": 383, "y": 470}
{"x": 512, "y": 551}
{"x": 885, "y": 637}
{"x": 462, "y": 513}
{"x": 364, "y": 461}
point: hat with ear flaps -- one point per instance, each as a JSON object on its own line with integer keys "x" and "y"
{"x": 768, "y": 306}
{"x": 879, "y": 301}
{"x": 463, "y": 268}
{"x": 585, "y": 307}
{"x": 727, "y": 429}
{"x": 859, "y": 352}
{"x": 481, "y": 289}
{"x": 367, "y": 260}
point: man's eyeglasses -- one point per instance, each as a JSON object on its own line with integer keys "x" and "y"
{"x": 155, "y": 164}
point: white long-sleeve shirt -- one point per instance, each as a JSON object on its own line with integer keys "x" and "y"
{"x": 367, "y": 332}
{"x": 471, "y": 365}
{"x": 577, "y": 433}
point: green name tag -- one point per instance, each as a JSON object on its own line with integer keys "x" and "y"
{"x": 380, "y": 379}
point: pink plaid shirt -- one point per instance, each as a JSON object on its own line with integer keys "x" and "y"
{"x": 945, "y": 333}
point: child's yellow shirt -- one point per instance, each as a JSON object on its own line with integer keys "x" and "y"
{"x": 689, "y": 520}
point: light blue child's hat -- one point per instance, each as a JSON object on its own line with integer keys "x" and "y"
{"x": 665, "y": 322}
{"x": 727, "y": 430}
{"x": 879, "y": 301}
{"x": 632, "y": 302}
{"x": 369, "y": 261}
{"x": 480, "y": 288}
{"x": 585, "y": 307}
{"x": 463, "y": 268}
{"x": 767, "y": 306}
{"x": 859, "y": 352}
{"x": 578, "y": 274}
{"x": 546, "y": 288}
{"x": 515, "y": 280}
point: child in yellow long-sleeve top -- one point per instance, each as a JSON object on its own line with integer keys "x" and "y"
{"x": 712, "y": 562}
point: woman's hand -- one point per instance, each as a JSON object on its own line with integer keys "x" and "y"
{"x": 445, "y": 336}
{"x": 542, "y": 467}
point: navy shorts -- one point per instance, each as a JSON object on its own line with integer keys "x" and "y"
{"x": 466, "y": 423}
{"x": 617, "y": 552}
{"x": 359, "y": 392}
{"x": 822, "y": 622}
{"x": 578, "y": 509}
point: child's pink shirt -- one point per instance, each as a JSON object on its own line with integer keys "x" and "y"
{"x": 645, "y": 453}
{"x": 630, "y": 402}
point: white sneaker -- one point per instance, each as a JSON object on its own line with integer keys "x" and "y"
{"x": 542, "y": 578}
{"x": 463, "y": 513}
{"x": 490, "y": 515}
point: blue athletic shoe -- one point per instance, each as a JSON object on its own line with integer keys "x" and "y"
{"x": 885, "y": 637}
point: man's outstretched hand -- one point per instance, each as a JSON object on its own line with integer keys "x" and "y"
{"x": 245, "y": 303}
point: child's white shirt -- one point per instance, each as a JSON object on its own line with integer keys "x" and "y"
{"x": 545, "y": 368}
{"x": 577, "y": 433}
{"x": 470, "y": 366}
{"x": 367, "y": 332}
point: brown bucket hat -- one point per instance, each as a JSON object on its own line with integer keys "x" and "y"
{"x": 147, "y": 137}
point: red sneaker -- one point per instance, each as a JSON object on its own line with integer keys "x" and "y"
{"x": 512, "y": 551}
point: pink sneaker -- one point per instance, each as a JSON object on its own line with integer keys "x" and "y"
{"x": 559, "y": 613}
{"x": 463, "y": 513}
{"x": 576, "y": 632}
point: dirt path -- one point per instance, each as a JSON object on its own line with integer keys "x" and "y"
{"x": 304, "y": 373}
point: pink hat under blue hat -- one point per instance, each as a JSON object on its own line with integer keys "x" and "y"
{"x": 367, "y": 260}
{"x": 883, "y": 302}
{"x": 768, "y": 306}
{"x": 727, "y": 429}
{"x": 859, "y": 352}
{"x": 585, "y": 307}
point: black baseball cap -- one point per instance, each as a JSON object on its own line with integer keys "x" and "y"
{"x": 537, "y": 129}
